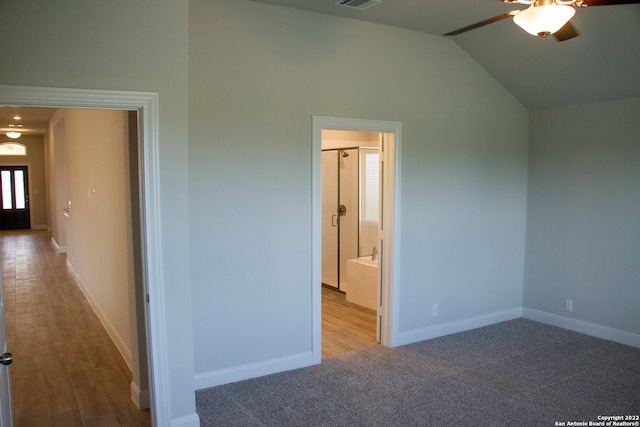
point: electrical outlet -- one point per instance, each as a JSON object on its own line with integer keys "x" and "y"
{"x": 435, "y": 310}
{"x": 568, "y": 305}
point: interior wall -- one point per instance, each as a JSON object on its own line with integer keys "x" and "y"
{"x": 136, "y": 46}
{"x": 99, "y": 222}
{"x": 35, "y": 158}
{"x": 57, "y": 179}
{"x": 257, "y": 75}
{"x": 583, "y": 228}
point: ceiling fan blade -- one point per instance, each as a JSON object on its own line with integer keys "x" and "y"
{"x": 482, "y": 23}
{"x": 568, "y": 31}
{"x": 609, "y": 2}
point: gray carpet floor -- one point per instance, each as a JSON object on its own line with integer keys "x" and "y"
{"x": 516, "y": 373}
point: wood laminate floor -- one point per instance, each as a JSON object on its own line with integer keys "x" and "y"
{"x": 345, "y": 326}
{"x": 66, "y": 370}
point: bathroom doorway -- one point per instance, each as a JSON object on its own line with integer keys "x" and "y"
{"x": 350, "y": 205}
{"x": 355, "y": 183}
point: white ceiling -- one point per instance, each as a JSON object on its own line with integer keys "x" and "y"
{"x": 602, "y": 64}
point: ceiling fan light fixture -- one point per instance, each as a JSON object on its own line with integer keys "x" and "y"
{"x": 13, "y": 134}
{"x": 544, "y": 20}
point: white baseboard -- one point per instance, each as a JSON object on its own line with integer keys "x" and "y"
{"x": 599, "y": 331}
{"x": 140, "y": 398}
{"x": 435, "y": 331}
{"x": 192, "y": 420}
{"x": 59, "y": 249}
{"x": 111, "y": 330}
{"x": 253, "y": 370}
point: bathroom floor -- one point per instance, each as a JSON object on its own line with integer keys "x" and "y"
{"x": 345, "y": 326}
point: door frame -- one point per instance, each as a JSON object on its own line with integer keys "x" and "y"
{"x": 390, "y": 278}
{"x": 146, "y": 103}
{"x": 28, "y": 166}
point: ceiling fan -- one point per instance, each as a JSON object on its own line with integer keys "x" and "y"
{"x": 544, "y": 17}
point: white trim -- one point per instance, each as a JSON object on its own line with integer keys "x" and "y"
{"x": 595, "y": 330}
{"x": 120, "y": 344}
{"x": 147, "y": 104}
{"x": 140, "y": 398}
{"x": 187, "y": 421}
{"x": 59, "y": 249}
{"x": 390, "y": 299}
{"x": 316, "y": 240}
{"x": 454, "y": 327}
{"x": 253, "y": 370}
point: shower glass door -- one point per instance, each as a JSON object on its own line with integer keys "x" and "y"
{"x": 340, "y": 213}
{"x": 330, "y": 218}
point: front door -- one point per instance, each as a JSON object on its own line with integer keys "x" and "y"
{"x": 14, "y": 198}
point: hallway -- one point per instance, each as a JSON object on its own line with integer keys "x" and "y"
{"x": 66, "y": 370}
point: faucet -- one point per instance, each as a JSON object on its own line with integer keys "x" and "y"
{"x": 374, "y": 254}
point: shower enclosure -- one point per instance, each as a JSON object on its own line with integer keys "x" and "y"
{"x": 349, "y": 209}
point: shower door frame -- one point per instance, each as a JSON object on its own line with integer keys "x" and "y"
{"x": 340, "y": 279}
{"x": 388, "y": 313}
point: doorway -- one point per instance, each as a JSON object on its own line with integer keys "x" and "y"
{"x": 384, "y": 236}
{"x": 14, "y": 198}
{"x": 350, "y": 185}
{"x": 146, "y": 104}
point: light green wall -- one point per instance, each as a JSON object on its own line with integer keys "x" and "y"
{"x": 583, "y": 216}
{"x": 35, "y": 160}
{"x": 136, "y": 45}
{"x": 257, "y": 74}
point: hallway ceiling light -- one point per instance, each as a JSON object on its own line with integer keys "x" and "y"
{"x": 13, "y": 134}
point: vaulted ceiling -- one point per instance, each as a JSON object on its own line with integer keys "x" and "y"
{"x": 602, "y": 64}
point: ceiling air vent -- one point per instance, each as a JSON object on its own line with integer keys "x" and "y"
{"x": 358, "y": 4}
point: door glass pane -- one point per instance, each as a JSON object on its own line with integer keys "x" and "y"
{"x": 6, "y": 190}
{"x": 19, "y": 188}
{"x": 369, "y": 199}
{"x": 370, "y": 182}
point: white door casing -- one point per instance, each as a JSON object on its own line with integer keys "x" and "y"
{"x": 147, "y": 105}
{"x": 390, "y": 283}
